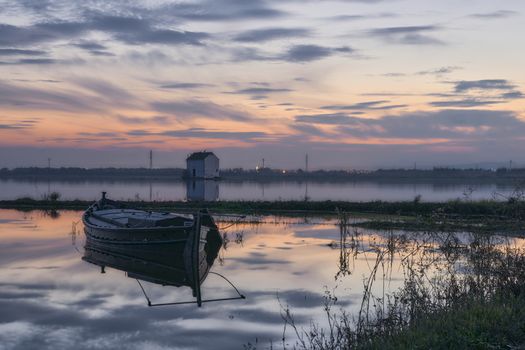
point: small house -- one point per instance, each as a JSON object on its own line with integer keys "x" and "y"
{"x": 202, "y": 165}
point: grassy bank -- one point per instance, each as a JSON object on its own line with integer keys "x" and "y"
{"x": 486, "y": 216}
{"x": 507, "y": 209}
{"x": 495, "y": 324}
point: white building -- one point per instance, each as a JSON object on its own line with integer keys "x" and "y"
{"x": 202, "y": 165}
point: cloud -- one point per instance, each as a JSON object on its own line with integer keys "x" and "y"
{"x": 243, "y": 54}
{"x": 93, "y": 47}
{"x": 369, "y": 105}
{"x": 185, "y": 86}
{"x": 394, "y": 75}
{"x": 212, "y": 134}
{"x": 307, "y": 53}
{"x": 449, "y": 123}
{"x": 37, "y": 81}
{"x": 201, "y": 133}
{"x": 475, "y": 93}
{"x": 408, "y": 35}
{"x": 346, "y": 17}
{"x": 495, "y": 14}
{"x": 261, "y": 35}
{"x": 439, "y": 71}
{"x": 164, "y": 36}
{"x": 199, "y": 108}
{"x": 328, "y": 118}
{"x": 143, "y": 120}
{"x": 259, "y": 91}
{"x": 98, "y": 134}
{"x": 32, "y": 61}
{"x": 512, "y": 95}
{"x": 13, "y": 36}
{"x": 486, "y": 84}
{"x": 129, "y": 30}
{"x": 218, "y": 10}
{"x": 135, "y": 31}
{"x": 21, "y": 97}
{"x": 20, "y": 52}
{"x": 293, "y": 54}
{"x": 305, "y": 128}
{"x": 21, "y": 124}
{"x": 464, "y": 103}
{"x": 106, "y": 90}
{"x": 89, "y": 45}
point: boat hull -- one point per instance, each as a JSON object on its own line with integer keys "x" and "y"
{"x": 137, "y": 235}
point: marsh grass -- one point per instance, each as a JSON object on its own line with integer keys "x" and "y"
{"x": 460, "y": 290}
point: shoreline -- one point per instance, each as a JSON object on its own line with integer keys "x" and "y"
{"x": 481, "y": 216}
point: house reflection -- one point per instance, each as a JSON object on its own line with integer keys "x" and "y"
{"x": 202, "y": 190}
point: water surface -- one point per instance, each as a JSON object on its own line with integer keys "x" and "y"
{"x": 221, "y": 190}
{"x": 50, "y": 298}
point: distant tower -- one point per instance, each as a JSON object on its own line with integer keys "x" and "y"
{"x": 151, "y": 159}
{"x": 263, "y": 163}
{"x": 306, "y": 163}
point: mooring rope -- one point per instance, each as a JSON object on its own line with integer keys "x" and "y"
{"x": 239, "y": 218}
{"x": 143, "y": 291}
{"x": 231, "y": 284}
{"x": 241, "y": 296}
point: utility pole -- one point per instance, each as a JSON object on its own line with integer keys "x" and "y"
{"x": 306, "y": 163}
{"x": 150, "y": 159}
{"x": 263, "y": 163}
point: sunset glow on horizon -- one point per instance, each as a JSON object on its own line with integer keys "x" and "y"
{"x": 355, "y": 83}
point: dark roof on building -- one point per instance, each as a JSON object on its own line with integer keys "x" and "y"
{"x": 199, "y": 155}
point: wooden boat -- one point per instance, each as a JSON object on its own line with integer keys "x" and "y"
{"x": 112, "y": 222}
{"x": 168, "y": 264}
{"x": 163, "y": 248}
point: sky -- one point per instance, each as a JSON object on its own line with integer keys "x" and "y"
{"x": 355, "y": 84}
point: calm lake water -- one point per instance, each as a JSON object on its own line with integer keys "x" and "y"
{"x": 51, "y": 299}
{"x": 212, "y": 190}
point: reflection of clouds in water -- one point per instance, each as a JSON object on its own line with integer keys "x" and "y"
{"x": 297, "y": 299}
{"x": 63, "y": 328}
{"x": 35, "y": 267}
{"x": 256, "y": 258}
{"x": 324, "y": 233}
{"x": 11, "y": 221}
{"x": 20, "y": 295}
{"x": 54, "y": 299}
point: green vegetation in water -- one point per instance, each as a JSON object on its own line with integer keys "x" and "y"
{"x": 460, "y": 291}
{"x": 495, "y": 324}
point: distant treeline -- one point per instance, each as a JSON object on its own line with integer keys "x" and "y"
{"x": 34, "y": 173}
{"x": 267, "y": 174}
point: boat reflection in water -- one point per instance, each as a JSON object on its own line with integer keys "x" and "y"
{"x": 202, "y": 190}
{"x": 179, "y": 263}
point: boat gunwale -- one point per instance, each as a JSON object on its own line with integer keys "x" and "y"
{"x": 89, "y": 224}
